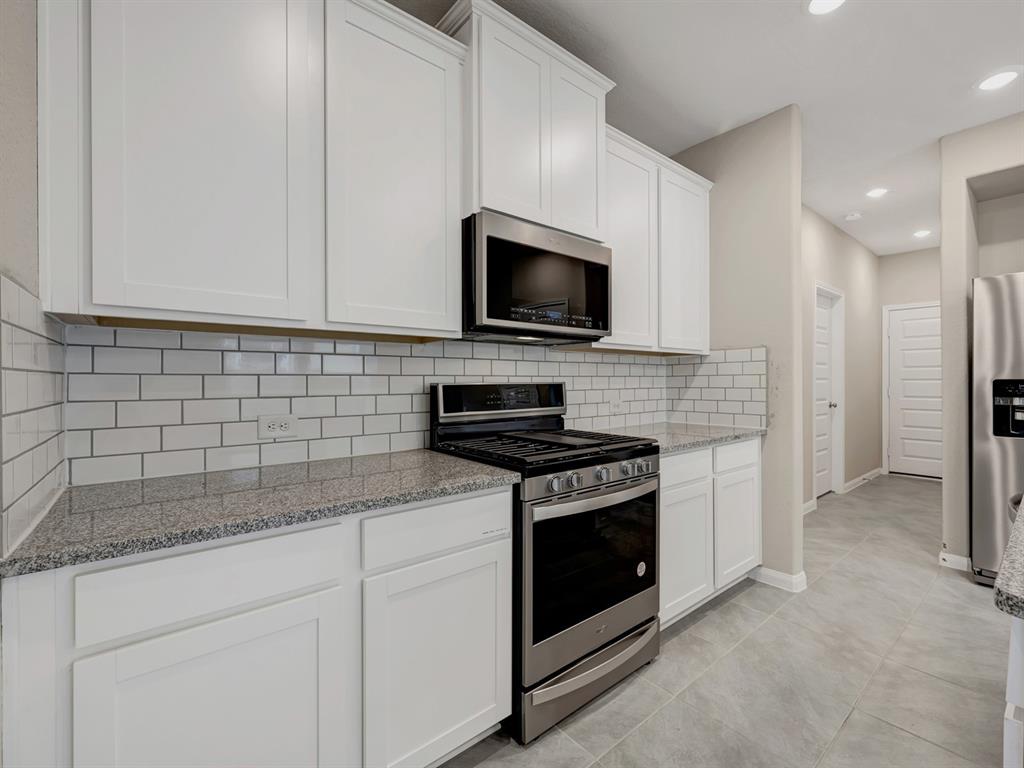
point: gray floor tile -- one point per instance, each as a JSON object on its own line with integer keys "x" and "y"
{"x": 786, "y": 688}
{"x": 682, "y": 658}
{"x": 608, "y": 719}
{"x": 727, "y": 624}
{"x": 679, "y": 735}
{"x": 867, "y": 742}
{"x": 819, "y": 557}
{"x": 955, "y": 718}
{"x": 954, "y": 599}
{"x": 761, "y": 597}
{"x": 552, "y": 750}
{"x": 958, "y": 653}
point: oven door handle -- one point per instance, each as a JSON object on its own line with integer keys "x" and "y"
{"x": 564, "y": 508}
{"x": 544, "y": 695}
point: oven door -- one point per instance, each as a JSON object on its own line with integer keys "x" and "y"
{"x": 531, "y": 280}
{"x": 590, "y": 572}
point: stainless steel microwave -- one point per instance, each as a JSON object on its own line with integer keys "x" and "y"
{"x": 526, "y": 283}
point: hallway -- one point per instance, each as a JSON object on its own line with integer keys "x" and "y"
{"x": 886, "y": 660}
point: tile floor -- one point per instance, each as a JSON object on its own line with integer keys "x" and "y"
{"x": 885, "y": 661}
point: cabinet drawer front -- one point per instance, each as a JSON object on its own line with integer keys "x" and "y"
{"x": 685, "y": 467}
{"x": 404, "y": 536}
{"x": 136, "y": 598}
{"x": 736, "y": 455}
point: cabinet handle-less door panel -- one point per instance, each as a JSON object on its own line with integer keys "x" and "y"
{"x": 577, "y": 153}
{"x": 437, "y": 655}
{"x": 207, "y": 168}
{"x": 633, "y": 237}
{"x": 515, "y": 124}
{"x": 683, "y": 248}
{"x": 259, "y": 689}
{"x": 737, "y": 524}
{"x": 393, "y": 187}
{"x": 687, "y": 547}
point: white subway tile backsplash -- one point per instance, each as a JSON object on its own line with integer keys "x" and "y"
{"x": 90, "y": 386}
{"x": 298, "y": 363}
{"x": 252, "y": 409}
{"x": 283, "y": 453}
{"x": 282, "y": 386}
{"x": 342, "y": 426}
{"x": 130, "y": 337}
{"x": 374, "y": 425}
{"x": 200, "y": 411}
{"x": 125, "y": 360}
{"x": 191, "y": 436}
{"x": 331, "y": 448}
{"x": 192, "y": 361}
{"x": 161, "y": 387}
{"x": 369, "y": 385}
{"x": 248, "y": 362}
{"x": 342, "y": 364}
{"x": 238, "y": 433}
{"x": 89, "y": 415}
{"x": 147, "y": 413}
{"x": 105, "y": 469}
{"x": 230, "y": 386}
{"x": 173, "y": 463}
{"x": 382, "y": 365}
{"x": 91, "y": 335}
{"x": 235, "y": 457}
{"x": 108, "y": 442}
{"x": 191, "y": 340}
{"x": 264, "y": 343}
{"x": 367, "y": 444}
{"x": 316, "y": 346}
{"x": 313, "y": 406}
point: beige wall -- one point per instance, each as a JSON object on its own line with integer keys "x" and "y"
{"x": 832, "y": 257}
{"x": 985, "y": 149}
{"x": 910, "y": 278}
{"x": 19, "y": 250}
{"x": 755, "y": 283}
{"x": 1001, "y": 235}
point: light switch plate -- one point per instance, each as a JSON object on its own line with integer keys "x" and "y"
{"x": 276, "y": 425}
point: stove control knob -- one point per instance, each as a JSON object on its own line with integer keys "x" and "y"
{"x": 556, "y": 484}
{"x": 643, "y": 466}
{"x": 628, "y": 469}
{"x": 575, "y": 479}
{"x": 602, "y": 474}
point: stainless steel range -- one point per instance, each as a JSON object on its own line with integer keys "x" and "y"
{"x": 585, "y": 524}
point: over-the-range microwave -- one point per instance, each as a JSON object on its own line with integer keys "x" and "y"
{"x": 527, "y": 283}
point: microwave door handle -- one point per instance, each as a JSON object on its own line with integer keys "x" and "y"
{"x": 565, "y": 508}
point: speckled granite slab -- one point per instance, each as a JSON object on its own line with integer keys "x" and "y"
{"x": 97, "y": 522}
{"x": 1009, "y": 587}
{"x": 677, "y": 438}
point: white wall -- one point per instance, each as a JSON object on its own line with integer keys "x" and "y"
{"x": 910, "y": 278}
{"x": 988, "y": 148}
{"x": 833, "y": 257}
{"x": 755, "y": 287}
{"x": 1001, "y": 235}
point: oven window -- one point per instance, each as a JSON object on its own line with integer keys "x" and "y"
{"x": 588, "y": 562}
{"x": 530, "y": 285}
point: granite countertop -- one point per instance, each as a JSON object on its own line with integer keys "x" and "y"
{"x": 677, "y": 438}
{"x": 1009, "y": 587}
{"x": 97, "y": 522}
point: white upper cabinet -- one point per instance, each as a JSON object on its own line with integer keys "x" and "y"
{"x": 393, "y": 161}
{"x": 658, "y": 233}
{"x": 205, "y": 164}
{"x": 683, "y": 241}
{"x": 633, "y": 237}
{"x": 535, "y": 144}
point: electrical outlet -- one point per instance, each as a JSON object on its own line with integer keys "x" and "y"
{"x": 277, "y": 425}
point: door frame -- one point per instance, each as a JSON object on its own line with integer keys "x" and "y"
{"x": 838, "y": 361}
{"x": 887, "y": 311}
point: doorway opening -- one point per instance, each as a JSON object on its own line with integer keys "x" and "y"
{"x": 828, "y": 382}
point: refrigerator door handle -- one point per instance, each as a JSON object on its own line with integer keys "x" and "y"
{"x": 1014, "y": 506}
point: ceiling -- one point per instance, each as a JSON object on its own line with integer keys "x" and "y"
{"x": 878, "y": 84}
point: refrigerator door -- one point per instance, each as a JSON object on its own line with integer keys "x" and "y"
{"x": 997, "y": 456}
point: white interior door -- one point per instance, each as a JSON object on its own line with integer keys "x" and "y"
{"x": 915, "y": 391}
{"x": 823, "y": 410}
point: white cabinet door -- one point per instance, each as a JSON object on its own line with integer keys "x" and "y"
{"x": 633, "y": 236}
{"x": 515, "y": 124}
{"x": 393, "y": 185}
{"x": 437, "y": 655}
{"x": 207, "y": 173}
{"x": 686, "y": 547}
{"x": 737, "y": 523}
{"x": 683, "y": 250}
{"x": 259, "y": 689}
{"x": 577, "y": 153}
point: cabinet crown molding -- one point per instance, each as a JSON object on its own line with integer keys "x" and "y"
{"x": 461, "y": 11}
{"x": 434, "y": 36}
{"x": 615, "y": 134}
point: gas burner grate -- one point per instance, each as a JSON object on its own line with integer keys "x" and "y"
{"x": 519, "y": 446}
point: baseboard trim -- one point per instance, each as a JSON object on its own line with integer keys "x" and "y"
{"x": 810, "y": 506}
{"x": 791, "y": 582}
{"x": 859, "y": 481}
{"x": 956, "y": 562}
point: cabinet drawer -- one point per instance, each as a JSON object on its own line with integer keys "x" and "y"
{"x": 403, "y": 536}
{"x": 736, "y": 455}
{"x": 136, "y": 598}
{"x": 685, "y": 467}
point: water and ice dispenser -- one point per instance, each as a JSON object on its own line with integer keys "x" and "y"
{"x": 1008, "y": 408}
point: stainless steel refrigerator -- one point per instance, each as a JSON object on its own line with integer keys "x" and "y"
{"x": 997, "y": 425}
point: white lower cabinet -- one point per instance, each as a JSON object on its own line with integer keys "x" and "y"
{"x": 710, "y": 533}
{"x": 437, "y": 655}
{"x": 258, "y": 689}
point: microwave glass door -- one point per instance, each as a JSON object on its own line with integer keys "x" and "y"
{"x": 526, "y": 284}
{"x": 587, "y": 562}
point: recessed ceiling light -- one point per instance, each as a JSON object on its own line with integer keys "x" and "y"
{"x": 999, "y": 80}
{"x": 821, "y": 7}
{"x": 877, "y": 192}
{"x": 922, "y": 233}
{"x": 853, "y": 215}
